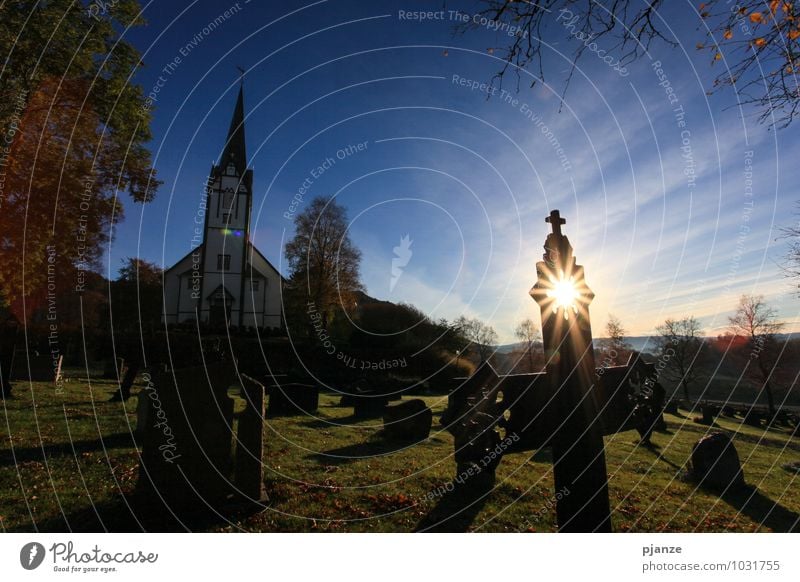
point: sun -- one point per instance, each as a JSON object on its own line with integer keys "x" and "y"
{"x": 564, "y": 294}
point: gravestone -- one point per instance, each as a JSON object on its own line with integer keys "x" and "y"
{"x": 368, "y": 405}
{"x": 33, "y": 367}
{"x": 124, "y": 391}
{"x": 710, "y": 413}
{"x": 671, "y": 407}
{"x": 579, "y": 464}
{"x": 293, "y": 399}
{"x": 753, "y": 417}
{"x": 408, "y": 421}
{"x": 250, "y": 443}
{"x": 186, "y": 443}
{"x": 113, "y": 368}
{"x": 715, "y": 462}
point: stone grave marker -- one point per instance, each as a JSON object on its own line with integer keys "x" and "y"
{"x": 186, "y": 443}
{"x": 250, "y": 442}
{"x": 292, "y": 398}
{"x": 408, "y": 421}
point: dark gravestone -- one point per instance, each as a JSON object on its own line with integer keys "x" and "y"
{"x": 753, "y": 417}
{"x": 579, "y": 464}
{"x": 113, "y": 368}
{"x": 715, "y": 462}
{"x": 710, "y": 413}
{"x": 33, "y": 368}
{"x": 125, "y": 386}
{"x": 250, "y": 442}
{"x": 369, "y": 405}
{"x": 671, "y": 407}
{"x": 408, "y": 421}
{"x": 186, "y": 443}
{"x": 293, "y": 399}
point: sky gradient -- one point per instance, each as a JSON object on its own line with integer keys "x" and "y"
{"x": 673, "y": 207}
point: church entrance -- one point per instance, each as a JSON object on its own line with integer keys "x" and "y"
{"x": 220, "y": 313}
{"x": 220, "y": 302}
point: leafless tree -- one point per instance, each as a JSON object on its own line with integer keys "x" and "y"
{"x": 681, "y": 349}
{"x": 479, "y": 334}
{"x": 527, "y": 333}
{"x": 756, "y": 42}
{"x": 757, "y": 323}
{"x": 618, "y": 347}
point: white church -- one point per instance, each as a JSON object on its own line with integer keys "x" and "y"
{"x": 225, "y": 280}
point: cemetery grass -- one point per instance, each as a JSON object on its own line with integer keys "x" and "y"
{"x": 69, "y": 462}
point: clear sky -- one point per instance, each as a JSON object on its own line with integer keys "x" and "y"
{"x": 467, "y": 176}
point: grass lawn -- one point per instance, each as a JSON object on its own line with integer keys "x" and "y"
{"x": 69, "y": 461}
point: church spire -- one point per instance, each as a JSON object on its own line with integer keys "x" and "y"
{"x": 235, "y": 151}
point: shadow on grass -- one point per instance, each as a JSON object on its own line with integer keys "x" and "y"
{"x": 456, "y": 510}
{"x": 135, "y": 513}
{"x": 763, "y": 510}
{"x": 359, "y": 451}
{"x": 23, "y": 454}
{"x": 332, "y": 422}
{"x": 656, "y": 450}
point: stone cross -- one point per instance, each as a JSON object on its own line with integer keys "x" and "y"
{"x": 556, "y": 221}
{"x": 579, "y": 464}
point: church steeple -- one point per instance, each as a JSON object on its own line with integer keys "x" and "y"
{"x": 235, "y": 151}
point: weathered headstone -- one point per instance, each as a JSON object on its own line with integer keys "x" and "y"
{"x": 250, "y": 442}
{"x": 710, "y": 413}
{"x": 671, "y": 407}
{"x": 579, "y": 464}
{"x": 186, "y": 453}
{"x": 715, "y": 462}
{"x": 292, "y": 399}
{"x": 369, "y": 405}
{"x": 753, "y": 417}
{"x": 408, "y": 421}
{"x": 124, "y": 391}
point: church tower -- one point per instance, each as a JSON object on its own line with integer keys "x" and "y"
{"x": 226, "y": 281}
{"x": 227, "y": 229}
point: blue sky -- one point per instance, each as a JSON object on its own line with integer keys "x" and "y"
{"x": 470, "y": 179}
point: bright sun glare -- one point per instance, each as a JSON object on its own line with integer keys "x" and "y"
{"x": 564, "y": 294}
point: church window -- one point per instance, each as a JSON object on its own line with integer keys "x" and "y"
{"x": 226, "y": 217}
{"x": 223, "y": 262}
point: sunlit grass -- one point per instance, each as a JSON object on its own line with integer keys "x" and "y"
{"x": 74, "y": 452}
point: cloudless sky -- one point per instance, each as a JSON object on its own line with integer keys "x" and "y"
{"x": 468, "y": 178}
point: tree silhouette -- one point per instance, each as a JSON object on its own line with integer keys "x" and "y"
{"x": 756, "y": 322}
{"x": 323, "y": 262}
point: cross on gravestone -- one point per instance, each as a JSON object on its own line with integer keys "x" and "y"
{"x": 556, "y": 221}
{"x": 569, "y": 407}
{"x": 579, "y": 464}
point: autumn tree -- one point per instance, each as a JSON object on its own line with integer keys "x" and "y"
{"x": 757, "y": 324}
{"x": 73, "y": 130}
{"x": 755, "y": 41}
{"x": 527, "y": 333}
{"x": 323, "y": 262}
{"x": 681, "y": 351}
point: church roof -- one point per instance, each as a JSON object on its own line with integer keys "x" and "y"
{"x": 235, "y": 148}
